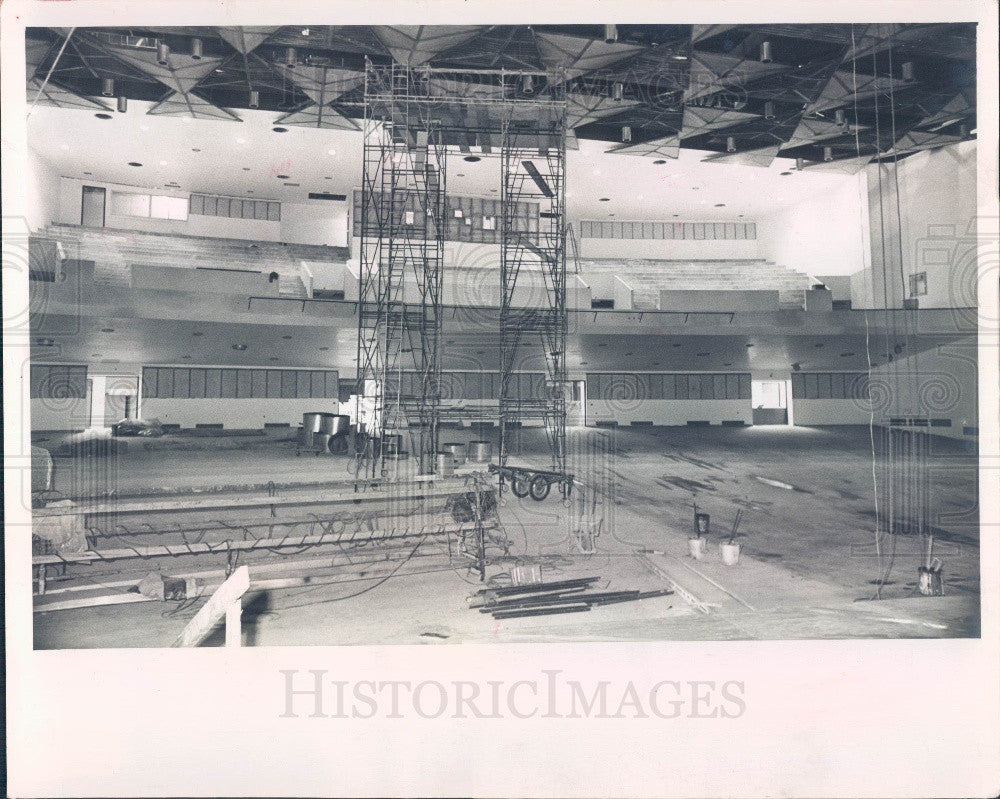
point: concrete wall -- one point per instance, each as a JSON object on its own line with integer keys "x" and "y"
{"x": 42, "y": 190}
{"x": 234, "y": 413}
{"x": 70, "y": 199}
{"x": 671, "y": 248}
{"x": 935, "y": 230}
{"x": 669, "y": 412}
{"x": 824, "y": 235}
{"x": 315, "y": 222}
{"x": 817, "y": 412}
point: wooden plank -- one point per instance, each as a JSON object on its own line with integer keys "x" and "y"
{"x": 212, "y": 612}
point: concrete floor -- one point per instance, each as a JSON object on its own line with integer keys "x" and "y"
{"x": 808, "y": 567}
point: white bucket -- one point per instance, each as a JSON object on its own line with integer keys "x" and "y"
{"x": 698, "y": 547}
{"x": 730, "y": 553}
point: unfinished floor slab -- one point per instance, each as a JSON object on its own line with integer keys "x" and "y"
{"x": 809, "y": 567}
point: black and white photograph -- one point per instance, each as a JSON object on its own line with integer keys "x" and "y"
{"x": 635, "y": 330}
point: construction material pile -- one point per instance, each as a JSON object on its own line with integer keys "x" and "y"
{"x": 547, "y": 599}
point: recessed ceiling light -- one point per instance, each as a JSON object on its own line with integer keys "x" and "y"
{"x": 675, "y": 344}
{"x": 720, "y": 205}
{"x": 103, "y": 116}
{"x": 702, "y": 354}
{"x": 819, "y": 345}
{"x": 660, "y": 161}
{"x": 460, "y": 175}
{"x": 197, "y": 333}
{"x": 323, "y": 349}
{"x": 249, "y": 191}
{"x": 331, "y": 152}
{"x": 88, "y": 173}
{"x": 287, "y": 338}
{"x": 728, "y": 364}
{"x": 239, "y": 347}
{"x": 272, "y": 359}
{"x": 282, "y": 177}
{"x": 241, "y": 140}
{"x": 45, "y": 342}
{"x": 196, "y": 149}
{"x": 846, "y": 354}
{"x": 472, "y": 158}
{"x": 246, "y": 169}
{"x": 280, "y": 130}
{"x": 186, "y": 357}
{"x": 786, "y": 173}
{"x": 134, "y": 163}
{"x": 107, "y": 330}
{"x": 328, "y": 177}
{"x": 605, "y": 199}
{"x": 695, "y": 188}
{"x": 749, "y": 345}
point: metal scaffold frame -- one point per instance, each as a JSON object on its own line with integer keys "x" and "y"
{"x": 412, "y": 116}
{"x": 402, "y": 239}
{"x": 533, "y": 162}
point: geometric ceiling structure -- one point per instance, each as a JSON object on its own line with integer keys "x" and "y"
{"x": 823, "y": 93}
{"x": 323, "y": 85}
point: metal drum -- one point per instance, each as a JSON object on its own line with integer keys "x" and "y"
{"x": 321, "y": 441}
{"x": 480, "y": 451}
{"x": 311, "y": 422}
{"x": 327, "y": 423}
{"x": 306, "y": 438}
{"x": 459, "y": 452}
{"x": 445, "y": 464}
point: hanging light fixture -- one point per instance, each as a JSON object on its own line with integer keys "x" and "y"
{"x": 908, "y": 70}
{"x": 617, "y": 91}
{"x": 527, "y": 84}
{"x": 162, "y": 53}
{"x": 840, "y": 117}
{"x": 827, "y": 154}
{"x": 108, "y": 87}
{"x": 610, "y": 34}
{"x": 196, "y": 47}
{"x": 290, "y": 57}
{"x": 122, "y": 104}
{"x": 730, "y": 144}
{"x": 765, "y": 52}
{"x": 800, "y": 164}
{"x": 769, "y": 110}
{"x": 626, "y": 134}
{"x": 254, "y": 99}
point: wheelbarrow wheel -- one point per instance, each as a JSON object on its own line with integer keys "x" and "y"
{"x": 540, "y": 488}
{"x": 520, "y": 486}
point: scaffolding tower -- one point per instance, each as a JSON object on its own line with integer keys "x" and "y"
{"x": 533, "y": 163}
{"x": 402, "y": 256}
{"x": 412, "y": 116}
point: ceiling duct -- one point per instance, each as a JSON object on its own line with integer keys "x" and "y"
{"x": 196, "y": 48}
{"x": 162, "y": 54}
{"x": 610, "y": 34}
{"x": 527, "y": 84}
{"x": 730, "y": 144}
{"x": 290, "y": 57}
{"x": 122, "y": 104}
{"x": 765, "y": 53}
{"x": 617, "y": 92}
{"x": 254, "y": 101}
{"x": 769, "y": 110}
{"x": 840, "y": 117}
{"x": 827, "y": 154}
{"x": 626, "y": 134}
{"x": 108, "y": 87}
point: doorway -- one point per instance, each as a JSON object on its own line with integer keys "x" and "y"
{"x": 769, "y": 399}
{"x": 576, "y": 405}
{"x": 92, "y": 206}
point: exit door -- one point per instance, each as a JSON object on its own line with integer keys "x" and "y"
{"x": 769, "y": 399}
{"x": 92, "y": 206}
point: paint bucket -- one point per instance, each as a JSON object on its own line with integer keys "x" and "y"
{"x": 730, "y": 553}
{"x": 445, "y": 464}
{"x": 698, "y": 547}
{"x": 480, "y": 451}
{"x": 458, "y": 451}
{"x": 931, "y": 582}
